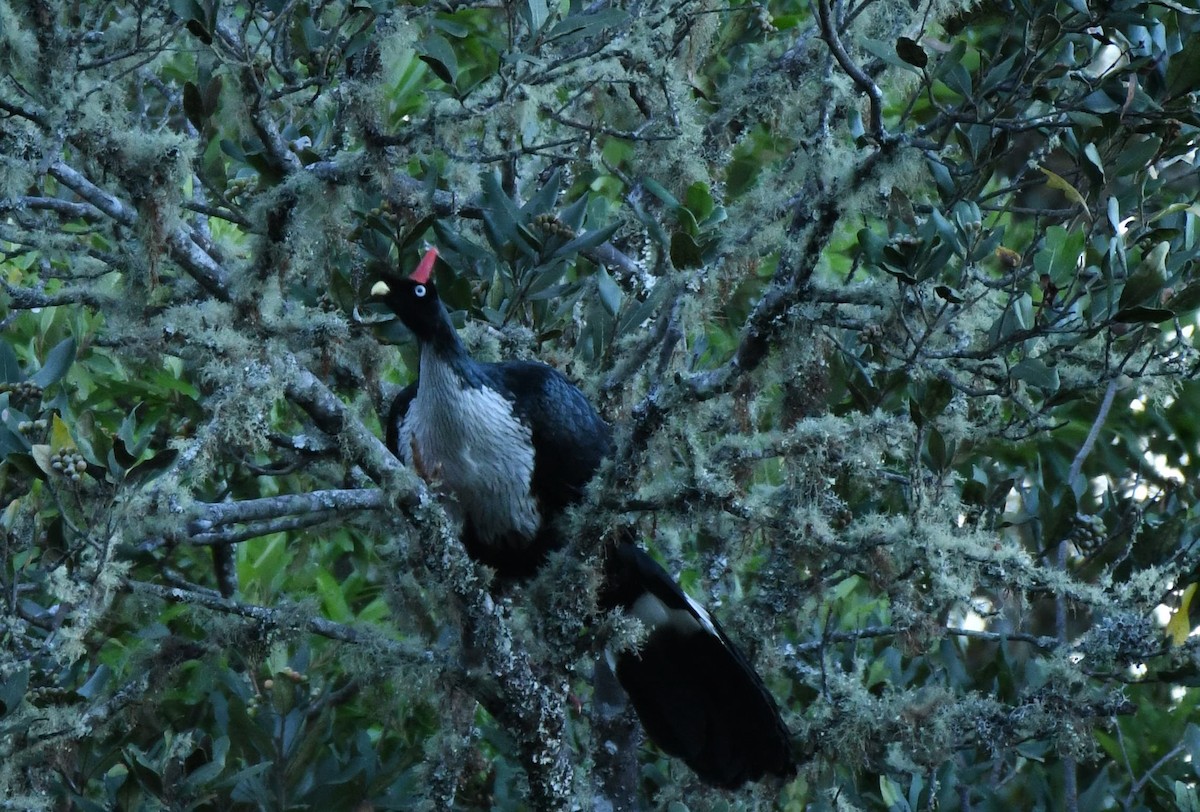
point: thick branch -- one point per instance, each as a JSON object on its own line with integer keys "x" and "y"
{"x": 364, "y": 448}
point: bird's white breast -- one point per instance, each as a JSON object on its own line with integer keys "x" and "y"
{"x": 471, "y": 441}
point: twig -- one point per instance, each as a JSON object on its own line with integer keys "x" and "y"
{"x": 367, "y": 450}
{"x": 531, "y": 709}
{"x": 253, "y": 530}
{"x": 1070, "y": 771}
{"x": 1090, "y": 442}
{"x": 57, "y": 205}
{"x": 281, "y": 619}
{"x": 26, "y": 299}
{"x": 213, "y": 514}
{"x": 1169, "y": 756}
{"x": 1040, "y": 641}
{"x": 860, "y": 78}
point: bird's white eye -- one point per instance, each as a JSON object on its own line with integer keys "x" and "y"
{"x": 420, "y": 291}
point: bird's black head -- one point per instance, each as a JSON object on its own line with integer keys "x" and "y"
{"x": 414, "y": 299}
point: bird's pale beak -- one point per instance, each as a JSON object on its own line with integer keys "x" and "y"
{"x": 380, "y": 289}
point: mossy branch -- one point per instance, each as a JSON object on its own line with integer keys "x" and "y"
{"x": 183, "y": 248}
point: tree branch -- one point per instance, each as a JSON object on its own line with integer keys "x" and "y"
{"x": 198, "y": 264}
{"x": 279, "y": 619}
{"x": 860, "y": 78}
{"x": 277, "y": 514}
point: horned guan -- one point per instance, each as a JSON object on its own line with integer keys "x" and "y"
{"x": 516, "y": 443}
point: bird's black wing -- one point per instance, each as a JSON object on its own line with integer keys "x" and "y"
{"x": 395, "y": 417}
{"x": 696, "y": 695}
{"x": 569, "y": 437}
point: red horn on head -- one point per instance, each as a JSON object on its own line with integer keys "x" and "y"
{"x": 425, "y": 267}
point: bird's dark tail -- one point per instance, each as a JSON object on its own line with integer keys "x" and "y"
{"x": 696, "y": 695}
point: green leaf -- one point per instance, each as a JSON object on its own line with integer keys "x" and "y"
{"x": 10, "y": 368}
{"x": 1056, "y": 181}
{"x": 1185, "y": 798}
{"x": 193, "y": 105}
{"x": 949, "y": 294}
{"x": 1183, "y": 71}
{"x": 610, "y": 293}
{"x": 941, "y": 176}
{"x": 581, "y": 26}
{"x": 1186, "y": 300}
{"x": 1016, "y": 317}
{"x": 60, "y": 435}
{"x": 505, "y": 213}
{"x": 1043, "y": 32}
{"x": 1145, "y": 284}
{"x": 574, "y": 213}
{"x": 1143, "y": 315}
{"x": 1191, "y": 740}
{"x": 893, "y": 795}
{"x": 685, "y": 253}
{"x": 187, "y": 9}
{"x": 658, "y": 190}
{"x": 1093, "y": 156}
{"x": 587, "y": 240}
{"x": 57, "y": 362}
{"x": 12, "y": 689}
{"x": 871, "y": 245}
{"x": 537, "y": 13}
{"x": 699, "y": 201}
{"x": 199, "y": 30}
{"x": 151, "y": 469}
{"x": 94, "y": 687}
{"x": 439, "y": 56}
{"x": 333, "y": 600}
{"x": 1136, "y": 156}
{"x": 545, "y": 198}
{"x": 1180, "y": 626}
{"x": 940, "y": 453}
{"x": 212, "y": 96}
{"x": 1037, "y": 373}
{"x": 887, "y": 52}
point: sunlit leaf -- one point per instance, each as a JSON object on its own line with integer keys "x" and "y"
{"x": 1056, "y": 181}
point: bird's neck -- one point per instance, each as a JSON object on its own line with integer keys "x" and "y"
{"x": 445, "y": 360}
{"x": 445, "y": 348}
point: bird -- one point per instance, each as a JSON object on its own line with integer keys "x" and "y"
{"x": 515, "y": 443}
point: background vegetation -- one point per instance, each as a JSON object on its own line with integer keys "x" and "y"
{"x": 892, "y": 307}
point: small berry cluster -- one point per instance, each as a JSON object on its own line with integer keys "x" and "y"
{"x": 70, "y": 463}
{"x": 1088, "y": 533}
{"x": 765, "y": 20}
{"x": 22, "y": 390}
{"x": 552, "y": 225}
